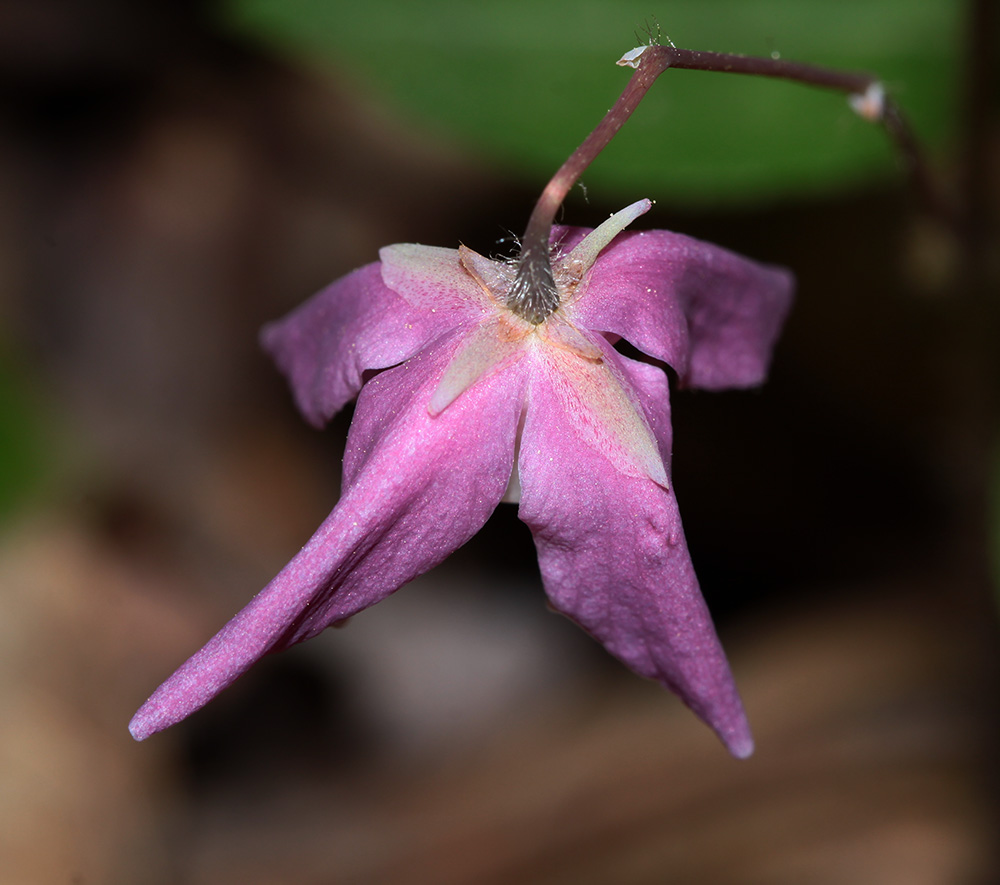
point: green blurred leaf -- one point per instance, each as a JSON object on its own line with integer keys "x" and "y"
{"x": 526, "y": 80}
{"x": 23, "y": 450}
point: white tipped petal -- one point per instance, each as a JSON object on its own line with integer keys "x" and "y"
{"x": 482, "y": 352}
{"x": 596, "y": 402}
{"x": 585, "y": 253}
{"x": 495, "y": 277}
{"x": 559, "y": 332}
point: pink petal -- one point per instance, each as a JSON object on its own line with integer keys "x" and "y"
{"x": 712, "y": 315}
{"x": 484, "y": 350}
{"x": 558, "y": 332}
{"x": 597, "y": 401}
{"x": 416, "y": 488}
{"x": 614, "y": 559}
{"x": 324, "y": 346}
{"x": 495, "y": 277}
{"x": 436, "y": 279}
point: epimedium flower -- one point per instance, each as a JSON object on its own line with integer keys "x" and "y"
{"x": 473, "y": 388}
{"x": 480, "y": 381}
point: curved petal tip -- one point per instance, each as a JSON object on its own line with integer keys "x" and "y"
{"x": 143, "y": 725}
{"x": 740, "y": 743}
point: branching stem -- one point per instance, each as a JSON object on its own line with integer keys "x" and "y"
{"x": 534, "y": 296}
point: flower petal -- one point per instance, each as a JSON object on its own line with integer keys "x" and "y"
{"x": 614, "y": 559}
{"x": 435, "y": 279}
{"x": 496, "y": 277}
{"x": 416, "y": 488}
{"x": 597, "y": 404}
{"x": 712, "y": 315}
{"x": 484, "y": 350}
{"x": 585, "y": 253}
{"x": 354, "y": 325}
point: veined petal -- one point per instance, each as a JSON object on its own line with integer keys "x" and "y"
{"x": 434, "y": 279}
{"x": 482, "y": 351}
{"x": 325, "y": 345}
{"x": 416, "y": 488}
{"x": 711, "y": 314}
{"x": 592, "y": 399}
{"x": 613, "y": 558}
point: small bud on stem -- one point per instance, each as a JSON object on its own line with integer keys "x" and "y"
{"x": 534, "y": 295}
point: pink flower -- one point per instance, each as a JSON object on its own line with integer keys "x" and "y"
{"x": 474, "y": 405}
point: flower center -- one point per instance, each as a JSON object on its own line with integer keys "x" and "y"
{"x": 534, "y": 295}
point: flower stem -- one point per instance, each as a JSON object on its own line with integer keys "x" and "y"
{"x": 534, "y": 296}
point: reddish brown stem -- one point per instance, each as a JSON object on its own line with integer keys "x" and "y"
{"x": 534, "y": 294}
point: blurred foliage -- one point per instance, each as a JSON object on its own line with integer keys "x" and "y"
{"x": 22, "y": 440}
{"x": 526, "y": 80}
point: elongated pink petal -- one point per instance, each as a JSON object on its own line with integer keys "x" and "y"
{"x": 416, "y": 488}
{"x": 614, "y": 559}
{"x": 353, "y": 325}
{"x": 711, "y": 314}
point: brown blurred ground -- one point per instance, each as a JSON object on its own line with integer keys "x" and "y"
{"x": 160, "y": 204}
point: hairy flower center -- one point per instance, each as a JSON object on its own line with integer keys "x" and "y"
{"x": 534, "y": 295}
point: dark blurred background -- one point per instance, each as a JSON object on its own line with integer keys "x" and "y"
{"x": 175, "y": 174}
